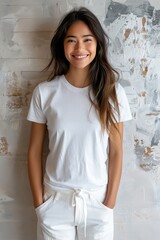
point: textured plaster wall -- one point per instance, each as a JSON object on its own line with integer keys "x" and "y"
{"x": 26, "y": 27}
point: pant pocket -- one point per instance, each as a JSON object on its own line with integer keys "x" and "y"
{"x": 98, "y": 211}
{"x": 46, "y": 208}
{"x": 47, "y": 200}
{"x": 100, "y": 204}
{"x": 97, "y": 200}
{"x": 46, "y": 216}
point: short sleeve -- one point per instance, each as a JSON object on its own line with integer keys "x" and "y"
{"x": 124, "y": 108}
{"x": 35, "y": 113}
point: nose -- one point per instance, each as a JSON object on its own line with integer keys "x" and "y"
{"x": 79, "y": 45}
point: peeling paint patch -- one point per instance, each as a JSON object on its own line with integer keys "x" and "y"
{"x": 155, "y": 103}
{"x": 139, "y": 8}
{"x": 135, "y": 49}
{"x": 156, "y": 17}
{"x": 148, "y": 157}
{"x": 3, "y": 146}
{"x": 5, "y": 198}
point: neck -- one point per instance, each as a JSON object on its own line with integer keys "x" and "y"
{"x": 78, "y": 77}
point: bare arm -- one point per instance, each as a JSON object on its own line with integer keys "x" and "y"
{"x": 35, "y": 171}
{"x": 115, "y": 165}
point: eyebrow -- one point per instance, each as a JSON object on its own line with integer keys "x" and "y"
{"x": 71, "y": 36}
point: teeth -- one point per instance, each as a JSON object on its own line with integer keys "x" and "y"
{"x": 82, "y": 56}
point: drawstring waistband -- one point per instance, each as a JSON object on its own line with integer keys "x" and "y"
{"x": 78, "y": 200}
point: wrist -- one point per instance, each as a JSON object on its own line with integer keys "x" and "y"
{"x": 37, "y": 204}
{"x": 37, "y": 201}
{"x": 109, "y": 203}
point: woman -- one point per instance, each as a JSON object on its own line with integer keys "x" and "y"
{"x": 83, "y": 108}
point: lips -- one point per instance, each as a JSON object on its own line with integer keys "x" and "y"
{"x": 80, "y": 56}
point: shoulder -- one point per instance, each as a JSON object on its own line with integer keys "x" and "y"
{"x": 119, "y": 88}
{"x": 124, "y": 108}
{"x": 49, "y": 83}
{"x": 120, "y": 92}
{"x": 47, "y": 86}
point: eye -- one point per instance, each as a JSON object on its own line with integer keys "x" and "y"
{"x": 71, "y": 41}
{"x": 88, "y": 40}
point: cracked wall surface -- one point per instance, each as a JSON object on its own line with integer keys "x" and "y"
{"x": 134, "y": 29}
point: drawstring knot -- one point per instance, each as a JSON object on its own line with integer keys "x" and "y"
{"x": 79, "y": 202}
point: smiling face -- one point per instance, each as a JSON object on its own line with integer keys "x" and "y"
{"x": 79, "y": 45}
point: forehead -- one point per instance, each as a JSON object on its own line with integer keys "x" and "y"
{"x": 79, "y": 28}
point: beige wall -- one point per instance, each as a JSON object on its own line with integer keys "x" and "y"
{"x": 26, "y": 27}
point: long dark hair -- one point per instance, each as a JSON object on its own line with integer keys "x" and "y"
{"x": 102, "y": 75}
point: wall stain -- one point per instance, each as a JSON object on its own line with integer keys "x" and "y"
{"x": 147, "y": 151}
{"x": 144, "y": 67}
{"x": 18, "y": 96}
{"x": 145, "y": 71}
{"x": 153, "y": 114}
{"x": 12, "y": 87}
{"x": 16, "y": 103}
{"x": 127, "y": 33}
{"x": 3, "y": 146}
{"x": 142, "y": 94}
{"x": 132, "y": 60}
{"x": 147, "y": 166}
{"x": 143, "y": 24}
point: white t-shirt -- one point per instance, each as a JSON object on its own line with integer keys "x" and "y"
{"x": 77, "y": 145}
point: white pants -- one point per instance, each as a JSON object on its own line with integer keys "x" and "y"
{"x": 74, "y": 214}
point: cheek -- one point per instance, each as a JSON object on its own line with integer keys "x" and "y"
{"x": 67, "y": 49}
{"x": 93, "y": 48}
